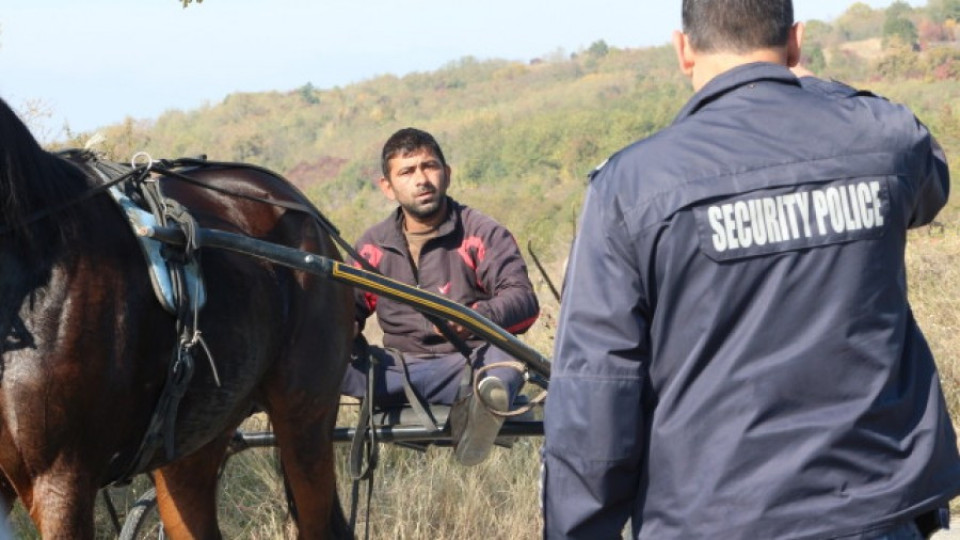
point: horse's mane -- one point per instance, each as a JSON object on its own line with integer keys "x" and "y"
{"x": 32, "y": 180}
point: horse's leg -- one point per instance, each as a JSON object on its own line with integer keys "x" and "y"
{"x": 61, "y": 505}
{"x": 55, "y": 487}
{"x": 307, "y": 456}
{"x": 187, "y": 492}
{"x": 302, "y": 395}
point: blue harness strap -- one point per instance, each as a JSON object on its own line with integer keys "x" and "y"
{"x": 159, "y": 269}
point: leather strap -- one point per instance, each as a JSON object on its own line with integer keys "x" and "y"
{"x": 364, "y": 447}
{"x": 417, "y": 402}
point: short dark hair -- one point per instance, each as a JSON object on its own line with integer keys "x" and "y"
{"x": 738, "y": 26}
{"x": 407, "y": 141}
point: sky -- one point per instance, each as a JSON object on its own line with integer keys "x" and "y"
{"x": 92, "y": 63}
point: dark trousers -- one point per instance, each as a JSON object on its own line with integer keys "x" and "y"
{"x": 437, "y": 379}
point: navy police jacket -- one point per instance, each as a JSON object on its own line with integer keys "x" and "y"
{"x": 736, "y": 356}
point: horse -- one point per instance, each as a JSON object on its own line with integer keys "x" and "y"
{"x": 87, "y": 347}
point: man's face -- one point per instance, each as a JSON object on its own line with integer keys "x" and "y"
{"x": 418, "y": 181}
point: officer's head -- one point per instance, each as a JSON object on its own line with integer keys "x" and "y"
{"x": 737, "y": 25}
{"x": 721, "y": 34}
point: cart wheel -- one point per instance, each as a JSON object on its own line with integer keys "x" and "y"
{"x": 143, "y": 520}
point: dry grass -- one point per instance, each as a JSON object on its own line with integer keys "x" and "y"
{"x": 428, "y": 495}
{"x": 933, "y": 262}
{"x": 417, "y": 495}
{"x": 933, "y": 257}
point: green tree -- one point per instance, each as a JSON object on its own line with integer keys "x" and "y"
{"x": 309, "y": 94}
{"x": 901, "y": 28}
{"x": 814, "y": 59}
{"x": 898, "y": 10}
{"x": 860, "y": 21}
{"x": 900, "y": 61}
{"x": 941, "y": 10}
{"x": 598, "y": 49}
{"x": 819, "y": 33}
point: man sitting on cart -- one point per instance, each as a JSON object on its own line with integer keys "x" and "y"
{"x": 436, "y": 244}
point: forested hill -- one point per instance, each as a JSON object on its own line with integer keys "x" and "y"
{"x": 521, "y": 136}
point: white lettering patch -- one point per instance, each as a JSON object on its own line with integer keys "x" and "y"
{"x": 773, "y": 222}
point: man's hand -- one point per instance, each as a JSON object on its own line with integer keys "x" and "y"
{"x": 460, "y": 331}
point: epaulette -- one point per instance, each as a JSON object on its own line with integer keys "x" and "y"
{"x": 592, "y": 174}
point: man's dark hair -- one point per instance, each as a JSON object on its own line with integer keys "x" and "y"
{"x": 407, "y": 141}
{"x": 737, "y": 26}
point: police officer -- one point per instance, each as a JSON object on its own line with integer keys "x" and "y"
{"x": 736, "y": 356}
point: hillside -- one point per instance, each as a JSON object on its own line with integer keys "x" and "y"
{"x": 521, "y": 132}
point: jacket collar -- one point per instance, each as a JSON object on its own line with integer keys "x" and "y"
{"x": 395, "y": 238}
{"x": 735, "y": 78}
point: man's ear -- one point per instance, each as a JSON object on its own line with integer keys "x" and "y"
{"x": 387, "y": 188}
{"x": 685, "y": 55}
{"x": 794, "y": 40}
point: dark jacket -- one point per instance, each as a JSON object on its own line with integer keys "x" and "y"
{"x": 736, "y": 356}
{"x": 474, "y": 261}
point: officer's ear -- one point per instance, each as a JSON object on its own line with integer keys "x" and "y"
{"x": 794, "y": 41}
{"x": 685, "y": 55}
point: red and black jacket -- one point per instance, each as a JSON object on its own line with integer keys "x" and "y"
{"x": 473, "y": 260}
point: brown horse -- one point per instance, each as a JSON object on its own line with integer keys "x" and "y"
{"x": 86, "y": 346}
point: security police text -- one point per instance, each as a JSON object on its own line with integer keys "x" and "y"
{"x": 794, "y": 216}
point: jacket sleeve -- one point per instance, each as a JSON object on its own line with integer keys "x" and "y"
{"x": 931, "y": 185}
{"x": 503, "y": 274}
{"x": 365, "y": 301}
{"x": 594, "y": 417}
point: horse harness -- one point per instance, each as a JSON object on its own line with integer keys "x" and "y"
{"x": 174, "y": 272}
{"x": 176, "y": 281}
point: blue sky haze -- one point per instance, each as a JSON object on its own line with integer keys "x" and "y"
{"x": 97, "y": 62}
